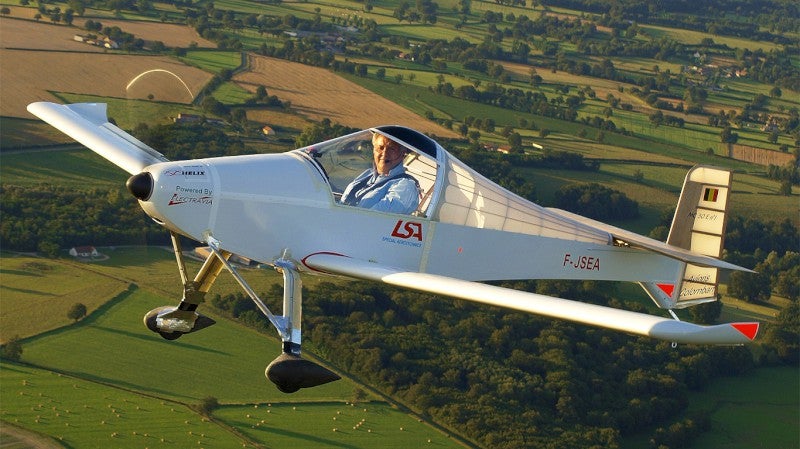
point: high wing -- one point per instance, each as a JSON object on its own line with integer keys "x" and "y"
{"x": 595, "y": 315}
{"x": 87, "y": 123}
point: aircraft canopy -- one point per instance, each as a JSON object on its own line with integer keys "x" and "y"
{"x": 451, "y": 191}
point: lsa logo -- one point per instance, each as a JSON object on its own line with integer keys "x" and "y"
{"x": 407, "y": 230}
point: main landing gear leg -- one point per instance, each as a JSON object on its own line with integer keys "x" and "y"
{"x": 289, "y": 372}
{"x": 173, "y": 321}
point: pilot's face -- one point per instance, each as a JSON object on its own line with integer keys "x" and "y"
{"x": 387, "y": 154}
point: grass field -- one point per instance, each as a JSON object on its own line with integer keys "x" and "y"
{"x": 333, "y": 425}
{"x": 93, "y": 396}
{"x": 759, "y": 410}
{"x": 68, "y": 166}
{"x": 37, "y": 293}
{"x": 747, "y": 411}
{"x": 81, "y": 413}
{"x": 224, "y": 351}
{"x": 213, "y": 61}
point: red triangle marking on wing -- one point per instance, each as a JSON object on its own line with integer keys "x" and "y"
{"x": 667, "y": 288}
{"x": 748, "y": 329}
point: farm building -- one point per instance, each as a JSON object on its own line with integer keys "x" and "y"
{"x": 193, "y": 118}
{"x": 84, "y": 251}
{"x": 267, "y": 130}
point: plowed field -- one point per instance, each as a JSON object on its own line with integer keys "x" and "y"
{"x": 318, "y": 93}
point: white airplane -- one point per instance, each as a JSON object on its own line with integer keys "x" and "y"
{"x": 284, "y": 210}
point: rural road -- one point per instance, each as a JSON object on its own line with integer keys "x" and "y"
{"x": 12, "y": 437}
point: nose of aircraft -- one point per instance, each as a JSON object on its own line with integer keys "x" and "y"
{"x": 140, "y": 186}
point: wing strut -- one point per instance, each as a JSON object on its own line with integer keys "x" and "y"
{"x": 289, "y": 372}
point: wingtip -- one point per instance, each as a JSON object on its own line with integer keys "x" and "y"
{"x": 749, "y": 330}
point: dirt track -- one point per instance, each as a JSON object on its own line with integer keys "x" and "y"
{"x": 13, "y": 437}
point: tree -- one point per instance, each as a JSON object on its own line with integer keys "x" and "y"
{"x": 784, "y": 335}
{"x": 76, "y": 312}
{"x": 706, "y": 313}
{"x": 596, "y": 201}
{"x": 728, "y": 136}
{"x": 207, "y": 405}
{"x": 515, "y": 140}
{"x": 12, "y": 350}
{"x": 750, "y": 287}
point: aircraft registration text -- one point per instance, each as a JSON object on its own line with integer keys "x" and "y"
{"x": 582, "y": 262}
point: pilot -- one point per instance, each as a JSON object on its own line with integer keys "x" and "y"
{"x": 386, "y": 186}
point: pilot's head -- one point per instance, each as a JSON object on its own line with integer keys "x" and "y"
{"x": 386, "y": 152}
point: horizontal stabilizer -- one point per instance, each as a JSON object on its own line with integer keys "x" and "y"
{"x": 595, "y": 315}
{"x": 639, "y": 241}
{"x": 88, "y": 124}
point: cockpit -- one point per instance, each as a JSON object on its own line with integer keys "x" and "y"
{"x": 344, "y": 159}
{"x": 449, "y": 191}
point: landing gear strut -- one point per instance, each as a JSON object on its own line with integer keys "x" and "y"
{"x": 289, "y": 371}
{"x": 173, "y": 321}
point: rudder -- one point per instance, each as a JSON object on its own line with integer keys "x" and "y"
{"x": 699, "y": 226}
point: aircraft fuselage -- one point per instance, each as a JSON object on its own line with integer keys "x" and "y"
{"x": 260, "y": 205}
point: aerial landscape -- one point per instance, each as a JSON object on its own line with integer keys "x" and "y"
{"x": 598, "y": 108}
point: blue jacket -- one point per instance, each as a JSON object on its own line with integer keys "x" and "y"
{"x": 396, "y": 192}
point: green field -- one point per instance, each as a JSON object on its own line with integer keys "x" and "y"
{"x": 67, "y": 167}
{"x": 80, "y": 413}
{"x": 332, "y": 425}
{"x": 94, "y": 396}
{"x": 747, "y": 412}
{"x": 37, "y": 293}
{"x": 213, "y": 61}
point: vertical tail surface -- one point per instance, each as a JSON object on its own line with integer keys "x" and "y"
{"x": 699, "y": 226}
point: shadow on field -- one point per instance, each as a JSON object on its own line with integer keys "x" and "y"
{"x": 26, "y": 290}
{"x": 114, "y": 382}
{"x": 302, "y": 436}
{"x": 151, "y": 338}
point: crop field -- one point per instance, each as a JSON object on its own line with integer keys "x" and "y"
{"x": 172, "y": 35}
{"x": 79, "y": 68}
{"x": 317, "y": 93}
{"x": 224, "y": 351}
{"x": 160, "y": 77}
{"x": 27, "y": 34}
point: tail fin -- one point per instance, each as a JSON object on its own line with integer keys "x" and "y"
{"x": 699, "y": 226}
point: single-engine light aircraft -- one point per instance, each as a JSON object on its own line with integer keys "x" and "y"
{"x": 286, "y": 210}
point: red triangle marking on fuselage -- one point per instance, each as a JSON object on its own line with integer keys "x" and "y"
{"x": 667, "y": 288}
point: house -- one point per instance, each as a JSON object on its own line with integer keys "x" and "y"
{"x": 84, "y": 251}
{"x": 193, "y": 118}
